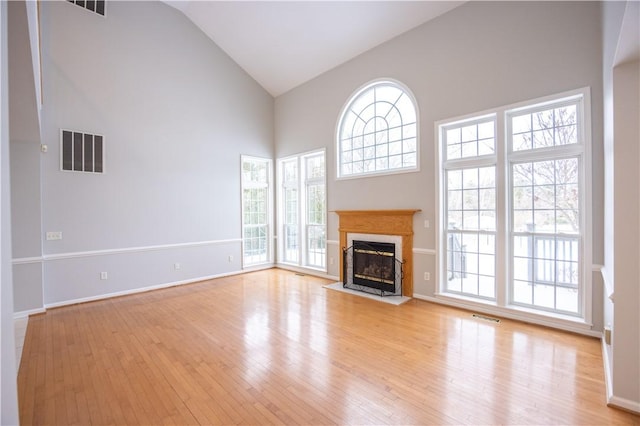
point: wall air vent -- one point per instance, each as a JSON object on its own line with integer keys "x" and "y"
{"x": 81, "y": 152}
{"x": 96, "y": 6}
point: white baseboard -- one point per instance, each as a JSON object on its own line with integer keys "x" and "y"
{"x": 23, "y": 314}
{"x": 306, "y": 271}
{"x": 625, "y": 404}
{"x": 139, "y": 290}
{"x": 261, "y": 267}
{"x": 612, "y": 400}
{"x": 27, "y": 313}
{"x": 560, "y": 324}
{"x": 606, "y": 363}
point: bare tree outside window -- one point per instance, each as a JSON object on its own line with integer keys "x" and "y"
{"x": 513, "y": 205}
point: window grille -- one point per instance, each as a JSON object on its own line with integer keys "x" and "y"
{"x": 514, "y": 186}
{"x": 302, "y": 213}
{"x": 256, "y": 216}
{"x": 378, "y": 131}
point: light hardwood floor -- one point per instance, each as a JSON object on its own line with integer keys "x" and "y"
{"x": 275, "y": 347}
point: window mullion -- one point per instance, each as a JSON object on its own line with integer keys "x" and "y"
{"x": 542, "y": 194}
{"x": 502, "y": 216}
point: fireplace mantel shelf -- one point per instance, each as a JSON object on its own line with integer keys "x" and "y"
{"x": 383, "y": 222}
{"x": 395, "y": 212}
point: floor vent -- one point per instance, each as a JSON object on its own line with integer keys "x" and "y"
{"x": 300, "y": 274}
{"x": 483, "y": 317}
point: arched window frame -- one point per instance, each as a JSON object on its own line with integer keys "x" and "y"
{"x": 409, "y": 129}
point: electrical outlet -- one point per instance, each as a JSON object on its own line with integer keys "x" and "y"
{"x": 331, "y": 261}
{"x": 56, "y": 235}
{"x": 104, "y": 275}
{"x": 177, "y": 266}
{"x": 427, "y": 276}
{"x": 230, "y": 258}
{"x": 426, "y": 223}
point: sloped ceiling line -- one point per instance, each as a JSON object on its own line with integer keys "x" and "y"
{"x": 283, "y": 44}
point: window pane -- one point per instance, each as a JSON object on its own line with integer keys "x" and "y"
{"x": 470, "y": 139}
{"x": 544, "y": 129}
{"x": 471, "y": 253}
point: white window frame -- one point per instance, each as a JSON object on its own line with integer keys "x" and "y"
{"x": 505, "y": 158}
{"x": 469, "y": 163}
{"x": 283, "y": 186}
{"x": 302, "y": 185}
{"x": 341, "y": 119}
{"x": 269, "y": 208}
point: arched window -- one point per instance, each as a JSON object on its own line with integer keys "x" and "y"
{"x": 378, "y": 131}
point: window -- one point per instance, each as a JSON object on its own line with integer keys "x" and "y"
{"x": 513, "y": 196}
{"x": 378, "y": 131}
{"x": 303, "y": 212}
{"x": 545, "y": 193}
{"x": 256, "y": 208}
{"x": 290, "y": 251}
{"x": 81, "y": 152}
{"x": 470, "y": 177}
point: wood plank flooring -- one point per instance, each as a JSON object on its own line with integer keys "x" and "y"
{"x": 273, "y": 347}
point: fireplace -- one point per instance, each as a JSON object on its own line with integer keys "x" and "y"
{"x": 374, "y": 265}
{"x": 379, "y": 223}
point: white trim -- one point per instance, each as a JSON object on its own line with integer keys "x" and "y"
{"x": 73, "y": 255}
{"x": 625, "y": 404}
{"x": 258, "y": 267}
{"x": 28, "y": 313}
{"x": 430, "y": 252}
{"x": 269, "y": 184}
{"x": 302, "y": 183}
{"x": 505, "y": 157}
{"x": 333, "y": 242}
{"x": 27, "y": 260}
{"x": 606, "y": 363}
{"x": 139, "y": 290}
{"x": 528, "y": 317}
{"x": 307, "y": 271}
{"x": 350, "y": 100}
{"x": 608, "y": 284}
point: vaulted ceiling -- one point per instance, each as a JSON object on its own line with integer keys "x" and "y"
{"x": 283, "y": 44}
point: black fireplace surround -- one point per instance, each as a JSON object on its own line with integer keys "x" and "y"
{"x": 374, "y": 265}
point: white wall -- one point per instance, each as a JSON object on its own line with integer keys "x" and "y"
{"x": 626, "y": 316}
{"x": 621, "y": 81}
{"x": 8, "y": 383}
{"x": 176, "y": 113}
{"x": 24, "y": 138}
{"x": 478, "y": 56}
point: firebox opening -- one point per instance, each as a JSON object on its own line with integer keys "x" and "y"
{"x": 374, "y": 265}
